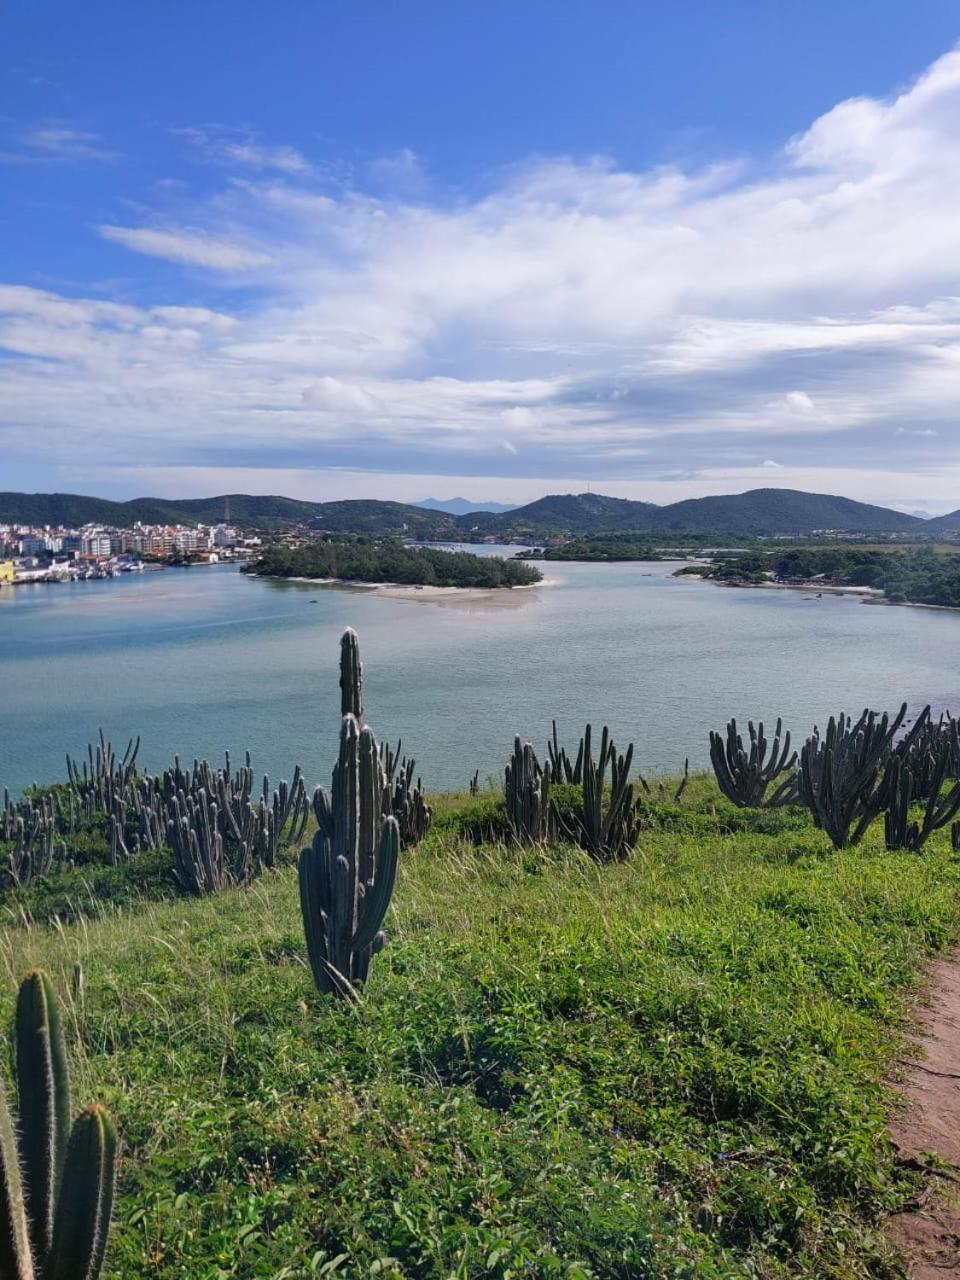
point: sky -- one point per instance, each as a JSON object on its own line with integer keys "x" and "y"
{"x": 496, "y": 248}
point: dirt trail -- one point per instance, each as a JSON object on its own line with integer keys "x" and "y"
{"x": 928, "y": 1231}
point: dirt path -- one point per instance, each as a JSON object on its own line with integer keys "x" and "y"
{"x": 928, "y": 1231}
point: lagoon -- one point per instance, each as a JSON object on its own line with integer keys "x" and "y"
{"x": 201, "y": 660}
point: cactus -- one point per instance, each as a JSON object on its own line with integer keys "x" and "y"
{"x": 348, "y": 874}
{"x": 56, "y": 1184}
{"x": 744, "y": 777}
{"x": 351, "y": 676}
{"x": 901, "y": 789}
{"x": 561, "y": 770}
{"x": 840, "y": 774}
{"x": 527, "y": 791}
{"x": 475, "y": 783}
{"x": 608, "y": 830}
{"x": 408, "y": 805}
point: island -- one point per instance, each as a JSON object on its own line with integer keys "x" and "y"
{"x": 382, "y": 561}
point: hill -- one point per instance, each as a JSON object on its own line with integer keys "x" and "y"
{"x": 72, "y": 509}
{"x": 567, "y": 513}
{"x": 950, "y": 523}
{"x": 767, "y": 511}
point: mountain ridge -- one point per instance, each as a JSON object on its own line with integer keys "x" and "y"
{"x": 754, "y": 512}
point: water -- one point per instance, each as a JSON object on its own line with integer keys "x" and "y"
{"x": 199, "y": 660}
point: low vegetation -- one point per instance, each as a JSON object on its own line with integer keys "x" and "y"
{"x": 373, "y": 560}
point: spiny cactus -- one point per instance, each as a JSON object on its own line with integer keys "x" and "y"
{"x": 840, "y": 774}
{"x": 407, "y": 804}
{"x": 561, "y": 770}
{"x": 351, "y": 676}
{"x": 609, "y": 817}
{"x": 902, "y": 790}
{"x": 56, "y": 1184}
{"x": 347, "y": 875}
{"x": 527, "y": 791}
{"x": 743, "y": 776}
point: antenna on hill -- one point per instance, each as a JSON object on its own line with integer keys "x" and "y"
{"x": 226, "y": 508}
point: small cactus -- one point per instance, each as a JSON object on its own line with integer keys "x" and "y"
{"x": 56, "y": 1183}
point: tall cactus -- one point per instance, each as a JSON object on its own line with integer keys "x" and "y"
{"x": 348, "y": 874}
{"x": 744, "y": 776}
{"x": 56, "y": 1184}
{"x": 527, "y": 791}
{"x": 608, "y": 829}
{"x": 351, "y": 676}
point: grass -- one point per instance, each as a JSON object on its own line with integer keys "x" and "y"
{"x": 672, "y": 1067}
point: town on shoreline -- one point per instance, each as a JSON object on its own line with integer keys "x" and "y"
{"x": 31, "y": 554}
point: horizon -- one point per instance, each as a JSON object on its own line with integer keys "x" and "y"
{"x": 495, "y": 253}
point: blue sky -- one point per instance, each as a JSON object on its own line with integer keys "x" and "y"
{"x": 499, "y": 249}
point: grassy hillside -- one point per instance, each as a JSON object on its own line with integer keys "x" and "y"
{"x": 671, "y": 1067}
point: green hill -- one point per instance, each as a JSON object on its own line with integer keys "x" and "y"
{"x": 766, "y": 511}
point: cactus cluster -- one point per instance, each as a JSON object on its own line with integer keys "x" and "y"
{"x": 348, "y": 873}
{"x": 744, "y": 776}
{"x": 843, "y": 774}
{"x": 56, "y": 1180}
{"x": 220, "y": 828}
{"x": 31, "y": 829}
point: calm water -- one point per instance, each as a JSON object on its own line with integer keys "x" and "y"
{"x": 204, "y": 659}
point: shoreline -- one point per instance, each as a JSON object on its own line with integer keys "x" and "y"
{"x": 866, "y": 595}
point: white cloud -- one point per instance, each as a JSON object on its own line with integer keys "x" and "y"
{"x": 58, "y": 143}
{"x": 195, "y": 248}
{"x": 616, "y": 321}
{"x": 239, "y": 149}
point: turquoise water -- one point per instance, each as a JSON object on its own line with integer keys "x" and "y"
{"x": 199, "y": 660}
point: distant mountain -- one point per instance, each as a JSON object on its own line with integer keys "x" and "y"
{"x": 463, "y": 506}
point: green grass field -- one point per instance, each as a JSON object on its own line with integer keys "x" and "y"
{"x": 671, "y": 1067}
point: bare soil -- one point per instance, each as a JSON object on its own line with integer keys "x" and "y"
{"x": 926, "y": 1132}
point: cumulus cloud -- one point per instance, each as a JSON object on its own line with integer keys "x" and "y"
{"x": 621, "y": 322}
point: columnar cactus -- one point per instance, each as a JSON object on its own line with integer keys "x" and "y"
{"x": 527, "y": 792}
{"x": 744, "y": 777}
{"x": 348, "y": 874}
{"x": 561, "y": 769}
{"x": 56, "y": 1184}
{"x": 351, "y": 676}
{"x": 608, "y": 829}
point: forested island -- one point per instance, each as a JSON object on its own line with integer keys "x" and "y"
{"x": 388, "y": 561}
{"x": 922, "y": 576}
